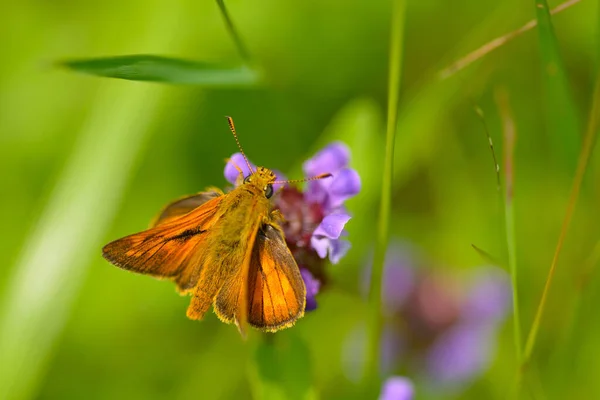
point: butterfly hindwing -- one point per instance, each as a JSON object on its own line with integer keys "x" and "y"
{"x": 276, "y": 291}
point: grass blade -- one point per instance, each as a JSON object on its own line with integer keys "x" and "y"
{"x": 153, "y": 68}
{"x": 242, "y": 49}
{"x": 492, "y": 45}
{"x": 508, "y": 128}
{"x": 375, "y": 323}
{"x": 584, "y": 157}
{"x": 562, "y": 121}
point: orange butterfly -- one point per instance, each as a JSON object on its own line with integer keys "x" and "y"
{"x": 227, "y": 250}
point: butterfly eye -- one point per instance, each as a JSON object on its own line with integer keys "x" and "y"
{"x": 248, "y": 179}
{"x": 268, "y": 191}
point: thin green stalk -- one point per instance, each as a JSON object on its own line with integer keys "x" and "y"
{"x": 500, "y": 41}
{"x": 576, "y": 188}
{"x": 239, "y": 43}
{"x": 395, "y": 67}
{"x": 509, "y": 133}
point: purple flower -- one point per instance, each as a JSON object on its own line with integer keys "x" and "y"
{"x": 438, "y": 326}
{"x": 398, "y": 278}
{"x": 232, "y": 174}
{"x": 489, "y": 298}
{"x": 344, "y": 183}
{"x": 397, "y": 388}
{"x": 459, "y": 355}
{"x": 314, "y": 218}
{"x": 312, "y": 288}
{"x": 463, "y": 351}
{"x": 326, "y": 238}
{"x": 330, "y": 195}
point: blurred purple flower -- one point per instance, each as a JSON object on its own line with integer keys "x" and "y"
{"x": 438, "y": 326}
{"x": 489, "y": 297}
{"x": 398, "y": 278}
{"x": 314, "y": 219}
{"x": 397, "y": 388}
{"x": 459, "y": 354}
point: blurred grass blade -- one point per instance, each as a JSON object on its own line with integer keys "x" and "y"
{"x": 375, "y": 323}
{"x": 69, "y": 233}
{"x": 282, "y": 369}
{"x": 481, "y": 117}
{"x": 562, "y": 122}
{"x": 584, "y": 157}
{"x": 509, "y": 133}
{"x": 161, "y": 69}
{"x": 496, "y": 43}
{"x": 239, "y": 43}
{"x": 485, "y": 256}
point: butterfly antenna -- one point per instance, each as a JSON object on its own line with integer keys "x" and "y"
{"x": 314, "y": 178}
{"x": 232, "y": 128}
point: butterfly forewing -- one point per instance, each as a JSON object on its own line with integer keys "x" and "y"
{"x": 184, "y": 205}
{"x": 171, "y": 250}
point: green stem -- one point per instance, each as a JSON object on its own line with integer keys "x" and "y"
{"x": 243, "y": 50}
{"x": 509, "y": 168}
{"x": 375, "y": 322}
{"x": 584, "y": 157}
{"x": 512, "y": 262}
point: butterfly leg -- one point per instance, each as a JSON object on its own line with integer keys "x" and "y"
{"x": 240, "y": 177}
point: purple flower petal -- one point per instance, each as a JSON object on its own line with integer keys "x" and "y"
{"x": 489, "y": 298}
{"x": 231, "y": 172}
{"x": 325, "y": 239}
{"x": 345, "y": 184}
{"x": 459, "y": 355}
{"x": 330, "y": 159}
{"x": 317, "y": 191}
{"x": 320, "y": 244}
{"x": 399, "y": 278}
{"x": 332, "y": 226}
{"x": 398, "y": 282}
{"x": 397, "y": 388}
{"x": 312, "y": 288}
{"x": 336, "y": 248}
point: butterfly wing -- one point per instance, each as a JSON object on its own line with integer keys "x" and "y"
{"x": 276, "y": 294}
{"x": 184, "y": 205}
{"x": 173, "y": 249}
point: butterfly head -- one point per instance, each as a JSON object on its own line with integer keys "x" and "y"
{"x": 262, "y": 178}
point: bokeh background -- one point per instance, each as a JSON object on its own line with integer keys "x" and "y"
{"x": 86, "y": 160}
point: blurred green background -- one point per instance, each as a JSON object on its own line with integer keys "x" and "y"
{"x": 86, "y": 160}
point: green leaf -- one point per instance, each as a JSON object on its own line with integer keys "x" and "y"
{"x": 164, "y": 69}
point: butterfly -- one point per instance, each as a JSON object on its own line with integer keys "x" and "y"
{"x": 224, "y": 249}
